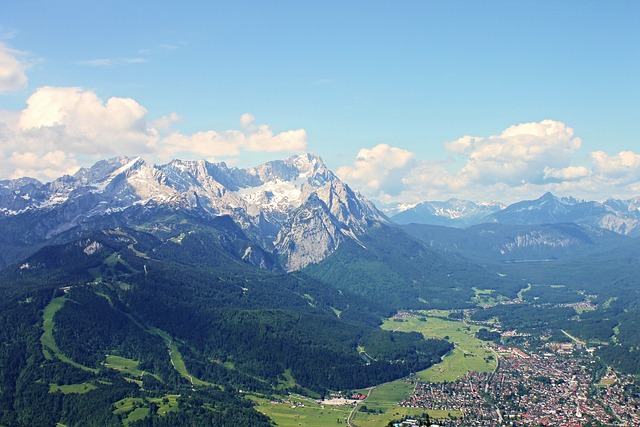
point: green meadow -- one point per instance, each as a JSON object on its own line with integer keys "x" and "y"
{"x": 470, "y": 353}
{"x": 126, "y": 366}
{"x": 487, "y": 297}
{"x": 310, "y": 415}
{"x": 176, "y": 360}
{"x": 72, "y": 388}
{"x": 49, "y": 347}
{"x": 134, "y": 408}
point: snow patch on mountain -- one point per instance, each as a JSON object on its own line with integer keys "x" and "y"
{"x": 275, "y": 195}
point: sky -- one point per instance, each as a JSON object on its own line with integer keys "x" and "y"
{"x": 407, "y": 101}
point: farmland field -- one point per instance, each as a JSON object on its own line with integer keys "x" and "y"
{"x": 468, "y": 355}
{"x": 292, "y": 414}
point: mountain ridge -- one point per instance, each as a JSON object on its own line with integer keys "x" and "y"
{"x": 269, "y": 201}
{"x": 620, "y": 216}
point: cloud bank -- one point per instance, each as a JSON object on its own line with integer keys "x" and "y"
{"x": 63, "y": 128}
{"x": 523, "y": 161}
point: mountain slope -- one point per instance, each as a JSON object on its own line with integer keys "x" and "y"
{"x": 500, "y": 243}
{"x": 400, "y": 271}
{"x": 620, "y": 216}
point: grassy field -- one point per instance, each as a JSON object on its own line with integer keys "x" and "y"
{"x": 486, "y": 297}
{"x": 135, "y": 415}
{"x": 46, "y": 340}
{"x": 309, "y": 415}
{"x": 126, "y": 366}
{"x": 136, "y": 408}
{"x": 469, "y": 353}
{"x": 72, "y": 388}
{"x": 166, "y": 404}
{"x": 49, "y": 347}
{"x": 523, "y": 290}
{"x": 177, "y": 362}
{"x": 382, "y": 407}
{"x": 127, "y": 404}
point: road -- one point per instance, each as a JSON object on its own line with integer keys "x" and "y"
{"x": 355, "y": 408}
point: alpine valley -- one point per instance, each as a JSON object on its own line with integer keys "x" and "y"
{"x": 194, "y": 293}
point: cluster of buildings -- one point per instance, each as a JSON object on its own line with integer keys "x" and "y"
{"x": 533, "y": 389}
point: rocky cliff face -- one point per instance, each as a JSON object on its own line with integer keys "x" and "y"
{"x": 295, "y": 208}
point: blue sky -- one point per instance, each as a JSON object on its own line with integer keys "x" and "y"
{"x": 547, "y": 92}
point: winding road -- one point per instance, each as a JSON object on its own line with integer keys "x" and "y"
{"x": 355, "y": 408}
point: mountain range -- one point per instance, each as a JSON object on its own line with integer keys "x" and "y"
{"x": 290, "y": 213}
{"x": 296, "y": 209}
{"x": 620, "y": 216}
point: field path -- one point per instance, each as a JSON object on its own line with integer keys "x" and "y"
{"x": 355, "y": 408}
{"x": 576, "y": 340}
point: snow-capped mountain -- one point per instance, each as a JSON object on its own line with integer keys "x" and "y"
{"x": 394, "y": 208}
{"x": 620, "y": 216}
{"x": 296, "y": 208}
{"x": 452, "y": 213}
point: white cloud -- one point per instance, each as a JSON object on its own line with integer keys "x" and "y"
{"x": 209, "y": 145}
{"x": 212, "y": 145}
{"x": 247, "y": 120}
{"x": 379, "y": 170}
{"x": 520, "y": 153}
{"x": 78, "y": 121}
{"x": 262, "y": 138}
{"x": 63, "y": 128}
{"x": 13, "y": 75}
{"x": 624, "y": 165}
{"x": 164, "y": 123}
{"x": 523, "y": 161}
{"x": 570, "y": 173}
{"x": 50, "y": 165}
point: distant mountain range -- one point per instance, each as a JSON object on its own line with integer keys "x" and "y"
{"x": 452, "y": 213}
{"x": 620, "y": 216}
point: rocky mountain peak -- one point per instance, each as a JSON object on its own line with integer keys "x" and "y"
{"x": 103, "y": 169}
